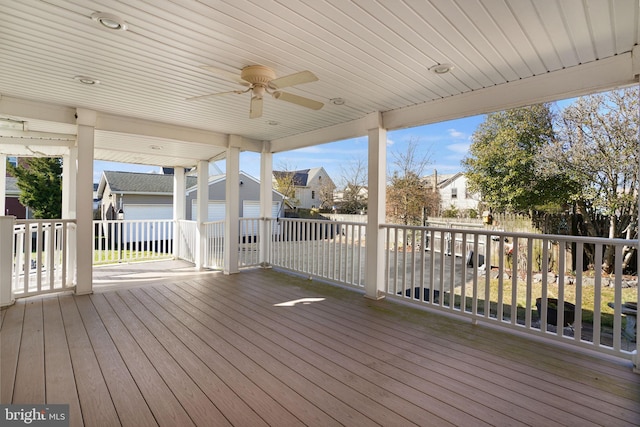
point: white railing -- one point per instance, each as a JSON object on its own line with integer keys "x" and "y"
{"x": 42, "y": 262}
{"x": 329, "y": 250}
{"x": 516, "y": 280}
{"x": 214, "y": 245}
{"x": 249, "y": 250}
{"x": 185, "y": 243}
{"x": 132, "y": 240}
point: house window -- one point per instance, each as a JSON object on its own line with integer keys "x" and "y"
{"x": 313, "y": 194}
{"x": 454, "y": 193}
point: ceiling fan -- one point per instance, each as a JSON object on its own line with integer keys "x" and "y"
{"x": 260, "y": 80}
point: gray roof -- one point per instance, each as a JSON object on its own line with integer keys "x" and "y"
{"x": 11, "y": 186}
{"x": 136, "y": 182}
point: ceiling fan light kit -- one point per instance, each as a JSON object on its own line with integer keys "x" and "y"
{"x": 261, "y": 80}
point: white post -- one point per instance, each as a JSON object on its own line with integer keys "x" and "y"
{"x": 202, "y": 211}
{"x": 374, "y": 276}
{"x": 232, "y": 207}
{"x": 69, "y": 203}
{"x": 179, "y": 203}
{"x": 69, "y": 183}
{"x": 84, "y": 204}
{"x": 266, "y": 201}
{"x": 3, "y": 184}
{"x": 6, "y": 260}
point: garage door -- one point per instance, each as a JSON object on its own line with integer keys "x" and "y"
{"x": 148, "y": 223}
{"x": 251, "y": 209}
{"x": 132, "y": 212}
{"x": 215, "y": 210}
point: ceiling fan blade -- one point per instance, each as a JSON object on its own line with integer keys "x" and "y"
{"x": 211, "y": 95}
{"x": 227, "y": 75}
{"x": 293, "y": 79}
{"x": 255, "y": 110}
{"x": 298, "y": 100}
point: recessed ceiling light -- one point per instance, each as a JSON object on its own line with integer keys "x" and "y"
{"x": 85, "y": 80}
{"x": 337, "y": 101}
{"x": 441, "y": 68}
{"x": 109, "y": 21}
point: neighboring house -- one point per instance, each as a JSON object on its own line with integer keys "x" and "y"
{"x": 150, "y": 196}
{"x": 12, "y": 202}
{"x": 136, "y": 195}
{"x": 249, "y": 199}
{"x": 310, "y": 186}
{"x": 454, "y": 192}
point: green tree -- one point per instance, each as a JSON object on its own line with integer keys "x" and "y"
{"x": 40, "y": 184}
{"x": 502, "y": 161}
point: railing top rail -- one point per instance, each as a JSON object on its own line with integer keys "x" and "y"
{"x": 328, "y": 221}
{"x": 132, "y": 220}
{"x": 44, "y": 221}
{"x": 220, "y": 221}
{"x": 501, "y": 233}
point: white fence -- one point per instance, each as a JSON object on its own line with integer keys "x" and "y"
{"x": 517, "y": 281}
{"x": 214, "y": 245}
{"x": 329, "y": 250}
{"x": 42, "y": 261}
{"x": 132, "y": 240}
{"x": 185, "y": 243}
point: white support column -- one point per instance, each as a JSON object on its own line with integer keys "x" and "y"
{"x": 6, "y": 260}
{"x": 374, "y": 277}
{"x": 69, "y": 183}
{"x": 84, "y": 202}
{"x": 69, "y": 203}
{"x": 232, "y": 207}
{"x": 202, "y": 210}
{"x": 266, "y": 201}
{"x": 179, "y": 203}
{"x": 3, "y": 184}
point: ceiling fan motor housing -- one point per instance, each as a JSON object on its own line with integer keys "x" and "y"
{"x": 257, "y": 75}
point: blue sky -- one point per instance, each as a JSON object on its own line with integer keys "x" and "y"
{"x": 445, "y": 144}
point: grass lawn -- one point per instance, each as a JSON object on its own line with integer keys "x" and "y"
{"x": 588, "y": 300}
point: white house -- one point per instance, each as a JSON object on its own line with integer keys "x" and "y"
{"x": 309, "y": 185}
{"x": 454, "y": 191}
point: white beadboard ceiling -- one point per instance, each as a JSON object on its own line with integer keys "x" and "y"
{"x": 374, "y": 54}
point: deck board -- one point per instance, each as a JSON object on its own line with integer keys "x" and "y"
{"x": 158, "y": 396}
{"x": 60, "y": 383}
{"x": 153, "y": 339}
{"x": 219, "y": 350}
{"x": 95, "y": 401}
{"x": 304, "y": 361}
{"x": 10, "y": 336}
{"x": 30, "y": 381}
{"x": 128, "y": 401}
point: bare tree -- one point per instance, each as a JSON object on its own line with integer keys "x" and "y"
{"x": 354, "y": 180}
{"x": 598, "y": 143}
{"x": 285, "y": 183}
{"x": 408, "y": 196}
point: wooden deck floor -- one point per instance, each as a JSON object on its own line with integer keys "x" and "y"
{"x": 265, "y": 348}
